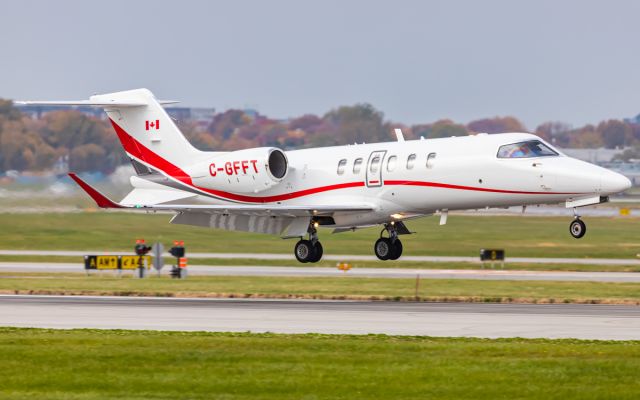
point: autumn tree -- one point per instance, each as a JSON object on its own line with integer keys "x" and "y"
{"x": 224, "y": 124}
{"x": 352, "y": 124}
{"x": 199, "y": 137}
{"x": 439, "y": 129}
{"x": 496, "y": 125}
{"x": 86, "y": 158}
{"x": 308, "y": 123}
{"x": 615, "y": 133}
{"x": 552, "y": 129}
{"x": 21, "y": 143}
{"x": 69, "y": 130}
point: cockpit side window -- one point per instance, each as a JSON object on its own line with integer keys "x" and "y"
{"x": 529, "y": 149}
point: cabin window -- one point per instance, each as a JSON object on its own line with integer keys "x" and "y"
{"x": 391, "y": 163}
{"x": 532, "y": 148}
{"x": 357, "y": 165}
{"x": 431, "y": 158}
{"x": 375, "y": 164}
{"x": 411, "y": 160}
{"x": 341, "y": 165}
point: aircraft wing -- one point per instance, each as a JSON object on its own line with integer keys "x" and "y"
{"x": 249, "y": 209}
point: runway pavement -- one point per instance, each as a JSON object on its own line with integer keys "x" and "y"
{"x": 339, "y": 257}
{"x": 307, "y": 271}
{"x": 347, "y": 317}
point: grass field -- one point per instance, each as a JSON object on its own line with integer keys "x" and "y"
{"x": 463, "y": 235}
{"x": 89, "y": 364}
{"x": 335, "y": 288}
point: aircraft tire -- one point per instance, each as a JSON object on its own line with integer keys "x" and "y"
{"x": 396, "y": 250}
{"x": 577, "y": 228}
{"x": 304, "y": 251}
{"x": 383, "y": 248}
{"x": 317, "y": 252}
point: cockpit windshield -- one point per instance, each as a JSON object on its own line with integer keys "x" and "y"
{"x": 529, "y": 149}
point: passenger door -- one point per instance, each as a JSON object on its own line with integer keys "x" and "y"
{"x": 374, "y": 168}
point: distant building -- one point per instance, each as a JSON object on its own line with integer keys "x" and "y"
{"x": 629, "y": 169}
{"x": 594, "y": 156}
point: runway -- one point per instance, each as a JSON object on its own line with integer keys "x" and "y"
{"x": 307, "y": 271}
{"x": 330, "y": 317}
{"x": 339, "y": 257}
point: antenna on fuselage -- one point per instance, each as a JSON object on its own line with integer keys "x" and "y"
{"x": 399, "y": 135}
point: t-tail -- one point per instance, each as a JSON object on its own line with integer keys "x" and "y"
{"x": 147, "y": 133}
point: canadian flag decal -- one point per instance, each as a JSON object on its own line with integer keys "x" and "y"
{"x": 152, "y": 124}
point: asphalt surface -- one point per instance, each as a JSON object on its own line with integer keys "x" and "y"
{"x": 338, "y": 257}
{"x": 307, "y": 271}
{"x": 346, "y": 317}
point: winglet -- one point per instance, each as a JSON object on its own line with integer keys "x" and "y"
{"x": 101, "y": 200}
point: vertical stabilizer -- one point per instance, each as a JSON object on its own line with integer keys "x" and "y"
{"x": 146, "y": 131}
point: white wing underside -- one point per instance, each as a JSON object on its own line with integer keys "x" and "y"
{"x": 267, "y": 210}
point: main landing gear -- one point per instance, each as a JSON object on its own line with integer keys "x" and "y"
{"x": 309, "y": 251}
{"x": 577, "y": 227}
{"x": 388, "y": 248}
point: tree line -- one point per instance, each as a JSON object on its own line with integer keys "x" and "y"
{"x": 90, "y": 144}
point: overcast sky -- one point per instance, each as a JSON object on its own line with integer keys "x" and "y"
{"x": 417, "y": 61}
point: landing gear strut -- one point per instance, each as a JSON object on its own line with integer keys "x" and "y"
{"x": 577, "y": 227}
{"x": 309, "y": 251}
{"x": 388, "y": 248}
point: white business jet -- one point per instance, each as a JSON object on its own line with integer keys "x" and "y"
{"x": 294, "y": 193}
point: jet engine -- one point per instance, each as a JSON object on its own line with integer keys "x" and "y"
{"x": 242, "y": 171}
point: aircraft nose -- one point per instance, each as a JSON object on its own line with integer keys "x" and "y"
{"x": 613, "y": 182}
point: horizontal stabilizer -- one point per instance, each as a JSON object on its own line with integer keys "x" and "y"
{"x": 94, "y": 103}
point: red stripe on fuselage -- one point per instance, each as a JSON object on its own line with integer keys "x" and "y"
{"x": 138, "y": 150}
{"x": 460, "y": 187}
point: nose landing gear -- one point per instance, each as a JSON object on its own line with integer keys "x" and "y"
{"x": 388, "y": 248}
{"x": 309, "y": 251}
{"x": 577, "y": 227}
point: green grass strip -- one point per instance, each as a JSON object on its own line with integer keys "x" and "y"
{"x": 324, "y": 288}
{"x": 93, "y": 364}
{"x": 462, "y": 236}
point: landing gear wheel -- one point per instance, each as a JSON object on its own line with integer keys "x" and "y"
{"x": 396, "y": 250}
{"x": 317, "y": 252}
{"x": 383, "y": 248}
{"x": 304, "y": 251}
{"x": 577, "y": 228}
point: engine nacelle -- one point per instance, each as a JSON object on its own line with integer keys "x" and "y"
{"x": 242, "y": 171}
